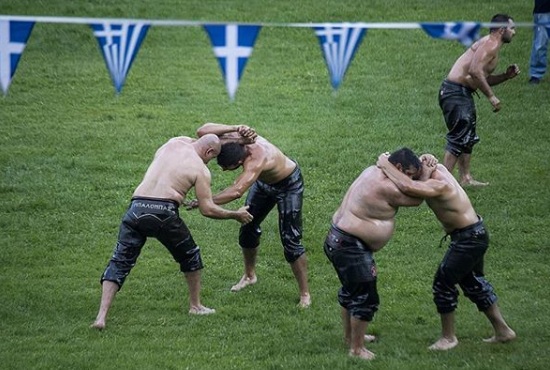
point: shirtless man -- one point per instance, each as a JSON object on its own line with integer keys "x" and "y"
{"x": 272, "y": 179}
{"x": 473, "y": 70}
{"x": 178, "y": 166}
{"x": 361, "y": 226}
{"x": 463, "y": 262}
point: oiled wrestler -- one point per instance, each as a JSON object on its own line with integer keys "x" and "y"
{"x": 361, "y": 226}
{"x": 178, "y": 166}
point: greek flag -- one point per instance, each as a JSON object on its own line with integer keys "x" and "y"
{"x": 119, "y": 44}
{"x": 465, "y": 32}
{"x": 339, "y": 43}
{"x": 233, "y": 45}
{"x": 13, "y": 39}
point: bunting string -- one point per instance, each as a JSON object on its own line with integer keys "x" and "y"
{"x": 119, "y": 41}
{"x": 174, "y": 22}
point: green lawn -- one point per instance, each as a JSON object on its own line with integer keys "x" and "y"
{"x": 72, "y": 152}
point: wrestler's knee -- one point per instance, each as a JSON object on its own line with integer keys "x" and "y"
{"x": 362, "y": 306}
{"x": 454, "y": 149}
{"x": 468, "y": 149}
{"x": 116, "y": 273}
{"x": 362, "y": 311}
{"x": 292, "y": 253}
{"x": 482, "y": 295}
{"x": 191, "y": 260}
{"x": 249, "y": 236}
{"x": 293, "y": 249}
{"x": 445, "y": 295}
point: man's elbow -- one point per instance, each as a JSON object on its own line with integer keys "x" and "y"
{"x": 201, "y": 131}
{"x": 407, "y": 189}
{"x": 476, "y": 74}
{"x": 233, "y": 195}
{"x": 209, "y": 212}
{"x": 206, "y": 212}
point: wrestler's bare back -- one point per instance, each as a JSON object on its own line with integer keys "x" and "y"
{"x": 453, "y": 207}
{"x": 366, "y": 212}
{"x": 274, "y": 164}
{"x": 173, "y": 171}
{"x": 460, "y": 72}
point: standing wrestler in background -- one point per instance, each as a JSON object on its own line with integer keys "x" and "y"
{"x": 178, "y": 166}
{"x": 463, "y": 262}
{"x": 361, "y": 226}
{"x": 472, "y": 71}
{"x": 271, "y": 178}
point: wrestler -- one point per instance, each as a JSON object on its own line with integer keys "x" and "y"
{"x": 178, "y": 166}
{"x": 472, "y": 71}
{"x": 462, "y": 264}
{"x": 361, "y": 226}
{"x": 271, "y": 178}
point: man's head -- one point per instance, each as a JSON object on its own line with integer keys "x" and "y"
{"x": 231, "y": 156}
{"x": 209, "y": 147}
{"x": 407, "y": 162}
{"x": 507, "y": 31}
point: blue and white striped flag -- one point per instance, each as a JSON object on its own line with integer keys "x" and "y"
{"x": 233, "y": 45}
{"x": 13, "y": 39}
{"x": 119, "y": 44}
{"x": 339, "y": 42}
{"x": 465, "y": 32}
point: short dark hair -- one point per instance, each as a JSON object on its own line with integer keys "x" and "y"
{"x": 231, "y": 154}
{"x": 406, "y": 158}
{"x": 499, "y": 18}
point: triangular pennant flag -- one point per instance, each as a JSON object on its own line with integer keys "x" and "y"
{"x": 465, "y": 32}
{"x": 13, "y": 39}
{"x": 119, "y": 43}
{"x": 233, "y": 45}
{"x": 339, "y": 42}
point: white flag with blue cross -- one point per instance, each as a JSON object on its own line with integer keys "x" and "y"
{"x": 119, "y": 43}
{"x": 13, "y": 39}
{"x": 339, "y": 42}
{"x": 233, "y": 45}
{"x": 464, "y": 32}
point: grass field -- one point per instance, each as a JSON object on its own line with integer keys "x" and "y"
{"x": 72, "y": 152}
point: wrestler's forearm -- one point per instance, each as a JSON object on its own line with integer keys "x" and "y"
{"x": 218, "y": 129}
{"x": 225, "y": 197}
{"x": 401, "y": 180}
{"x": 497, "y": 79}
{"x": 483, "y": 84}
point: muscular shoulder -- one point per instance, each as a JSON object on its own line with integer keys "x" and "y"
{"x": 395, "y": 197}
{"x": 486, "y": 45}
{"x": 262, "y": 147}
{"x": 181, "y": 139}
{"x": 375, "y": 194}
{"x": 372, "y": 183}
{"x": 443, "y": 179}
{"x": 261, "y": 155}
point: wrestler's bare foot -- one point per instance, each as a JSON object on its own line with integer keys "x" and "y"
{"x": 363, "y": 354}
{"x": 201, "y": 310}
{"x": 444, "y": 344}
{"x": 98, "y": 324}
{"x": 472, "y": 182}
{"x": 370, "y": 338}
{"x": 245, "y": 281}
{"x": 507, "y": 336}
{"x": 305, "y": 301}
